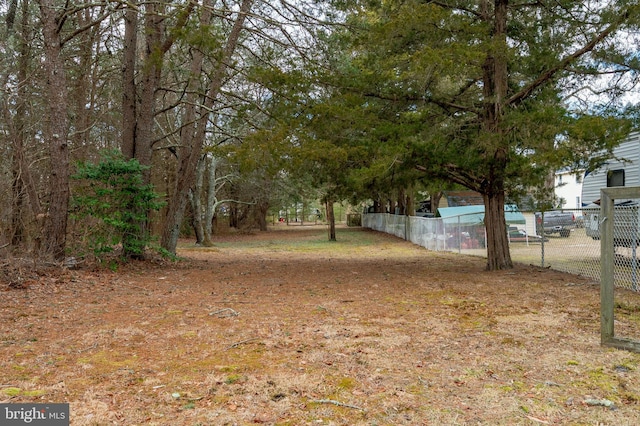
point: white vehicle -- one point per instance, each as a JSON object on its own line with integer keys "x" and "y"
{"x": 623, "y": 170}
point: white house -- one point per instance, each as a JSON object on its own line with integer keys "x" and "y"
{"x": 568, "y": 188}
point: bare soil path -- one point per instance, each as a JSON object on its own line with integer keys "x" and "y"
{"x": 286, "y": 328}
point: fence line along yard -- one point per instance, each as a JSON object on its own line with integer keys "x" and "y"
{"x": 578, "y": 253}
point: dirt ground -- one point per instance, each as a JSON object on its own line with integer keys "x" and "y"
{"x": 286, "y": 328}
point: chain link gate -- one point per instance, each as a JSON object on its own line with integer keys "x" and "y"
{"x": 619, "y": 230}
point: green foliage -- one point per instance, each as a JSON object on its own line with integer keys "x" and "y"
{"x": 165, "y": 253}
{"x": 486, "y": 98}
{"x": 113, "y": 198}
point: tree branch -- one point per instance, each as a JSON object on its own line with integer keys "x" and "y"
{"x": 548, "y": 74}
{"x": 458, "y": 175}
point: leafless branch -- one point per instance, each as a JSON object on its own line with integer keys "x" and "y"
{"x": 86, "y": 27}
{"x": 224, "y": 313}
{"x": 338, "y": 403}
{"x": 242, "y": 342}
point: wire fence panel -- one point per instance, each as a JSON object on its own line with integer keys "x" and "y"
{"x": 561, "y": 245}
{"x": 397, "y": 225}
{"x": 427, "y": 232}
{"x": 462, "y": 234}
{"x": 571, "y": 246}
{"x": 625, "y": 243}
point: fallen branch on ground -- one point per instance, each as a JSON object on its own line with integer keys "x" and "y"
{"x": 338, "y": 403}
{"x": 231, "y": 313}
{"x": 537, "y": 420}
{"x": 242, "y": 342}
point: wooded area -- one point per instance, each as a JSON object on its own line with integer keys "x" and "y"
{"x": 128, "y": 124}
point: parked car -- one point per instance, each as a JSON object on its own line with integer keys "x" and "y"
{"x": 555, "y": 222}
{"x": 626, "y": 223}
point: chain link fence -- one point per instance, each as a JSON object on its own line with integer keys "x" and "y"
{"x": 565, "y": 240}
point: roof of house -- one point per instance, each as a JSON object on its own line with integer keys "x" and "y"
{"x": 463, "y": 198}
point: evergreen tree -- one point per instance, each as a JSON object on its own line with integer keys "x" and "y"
{"x": 476, "y": 92}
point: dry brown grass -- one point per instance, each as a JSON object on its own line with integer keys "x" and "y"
{"x": 370, "y": 330}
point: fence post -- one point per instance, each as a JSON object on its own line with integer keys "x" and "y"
{"x": 445, "y": 245}
{"x": 634, "y": 245}
{"x": 459, "y": 236}
{"x": 407, "y": 228}
{"x": 606, "y": 274}
{"x": 535, "y": 226}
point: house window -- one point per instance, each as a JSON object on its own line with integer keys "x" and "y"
{"x": 615, "y": 178}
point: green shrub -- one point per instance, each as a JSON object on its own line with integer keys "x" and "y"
{"x": 113, "y": 194}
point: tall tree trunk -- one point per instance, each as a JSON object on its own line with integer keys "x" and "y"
{"x": 193, "y": 137}
{"x": 21, "y": 174}
{"x": 261, "y": 208}
{"x": 139, "y": 96}
{"x": 402, "y": 202}
{"x": 197, "y": 218}
{"x": 186, "y": 136}
{"x": 435, "y": 201}
{"x": 378, "y": 207}
{"x": 150, "y": 81}
{"x": 212, "y": 198}
{"x": 331, "y": 218}
{"x": 81, "y": 96}
{"x": 498, "y": 255}
{"x": 138, "y": 127}
{"x": 129, "y": 98}
{"x": 133, "y": 120}
{"x": 495, "y": 86}
{"x": 410, "y": 202}
{"x": 196, "y": 203}
{"x": 17, "y": 230}
{"x": 392, "y": 204}
{"x": 55, "y": 132}
{"x": 234, "y": 216}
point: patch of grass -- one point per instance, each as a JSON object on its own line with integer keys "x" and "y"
{"x": 602, "y": 382}
{"x": 511, "y": 341}
{"x": 34, "y": 393}
{"x": 627, "y": 307}
{"x": 233, "y": 378}
{"x": 13, "y": 392}
{"x": 109, "y": 360}
{"x": 348, "y": 240}
{"x": 630, "y": 397}
{"x": 321, "y": 310}
{"x": 598, "y": 377}
{"x": 624, "y": 367}
{"x": 514, "y": 386}
{"x": 229, "y": 368}
{"x": 347, "y": 383}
